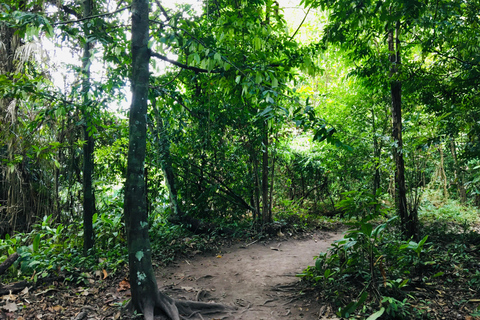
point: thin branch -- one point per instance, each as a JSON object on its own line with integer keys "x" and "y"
{"x": 71, "y": 11}
{"x": 92, "y": 17}
{"x": 163, "y": 10}
{"x": 174, "y": 78}
{"x": 453, "y": 57}
{"x": 203, "y": 44}
{"x": 181, "y": 65}
{"x": 226, "y": 189}
{"x": 301, "y": 23}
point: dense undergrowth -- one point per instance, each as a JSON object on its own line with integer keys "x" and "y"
{"x": 55, "y": 250}
{"x": 372, "y": 273}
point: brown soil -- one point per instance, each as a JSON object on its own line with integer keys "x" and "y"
{"x": 258, "y": 278}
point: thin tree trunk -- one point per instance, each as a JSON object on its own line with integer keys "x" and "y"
{"x": 166, "y": 163}
{"x": 12, "y": 184}
{"x": 376, "y": 154}
{"x": 88, "y": 148}
{"x": 266, "y": 217}
{"x": 272, "y": 181}
{"x": 408, "y": 219}
{"x": 256, "y": 186}
{"x": 462, "y": 194}
{"x": 442, "y": 172}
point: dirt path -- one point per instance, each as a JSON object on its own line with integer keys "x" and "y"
{"x": 254, "y": 277}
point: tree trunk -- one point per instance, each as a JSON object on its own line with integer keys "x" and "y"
{"x": 376, "y": 153}
{"x": 142, "y": 278}
{"x": 88, "y": 147}
{"x": 458, "y": 173}
{"x": 256, "y": 177}
{"x": 266, "y": 216}
{"x": 442, "y": 172}
{"x": 165, "y": 162}
{"x": 408, "y": 219}
{"x": 145, "y": 294}
{"x": 272, "y": 181}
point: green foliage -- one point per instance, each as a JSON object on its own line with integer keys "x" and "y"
{"x": 50, "y": 249}
{"x": 435, "y": 208}
{"x": 361, "y": 205}
{"x": 372, "y": 262}
{"x": 371, "y": 266}
{"x": 45, "y": 251}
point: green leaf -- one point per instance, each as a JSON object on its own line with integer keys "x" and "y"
{"x": 327, "y": 273}
{"x": 377, "y": 314}
{"x": 36, "y": 243}
{"x": 258, "y": 78}
{"x": 420, "y": 244}
{"x": 438, "y": 274}
{"x": 274, "y": 83}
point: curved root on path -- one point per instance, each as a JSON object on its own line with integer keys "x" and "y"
{"x": 178, "y": 309}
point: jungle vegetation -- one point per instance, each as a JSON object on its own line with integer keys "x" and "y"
{"x": 241, "y": 120}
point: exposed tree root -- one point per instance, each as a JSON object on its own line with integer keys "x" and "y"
{"x": 8, "y": 262}
{"x": 172, "y": 309}
{"x": 13, "y": 287}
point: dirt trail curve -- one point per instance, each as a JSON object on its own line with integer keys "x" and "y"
{"x": 255, "y": 278}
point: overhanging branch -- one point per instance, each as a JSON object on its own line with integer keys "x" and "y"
{"x": 92, "y": 17}
{"x": 181, "y": 65}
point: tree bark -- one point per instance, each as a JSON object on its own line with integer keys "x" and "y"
{"x": 142, "y": 278}
{"x": 88, "y": 147}
{"x": 408, "y": 219}
{"x": 8, "y": 262}
{"x": 266, "y": 216}
{"x": 462, "y": 194}
{"x": 145, "y": 294}
{"x": 376, "y": 153}
{"x": 442, "y": 172}
{"x": 256, "y": 185}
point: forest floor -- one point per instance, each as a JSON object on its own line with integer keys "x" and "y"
{"x": 256, "y": 277}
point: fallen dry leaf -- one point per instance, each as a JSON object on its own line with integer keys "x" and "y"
{"x": 123, "y": 285}
{"x": 24, "y": 291}
{"x": 56, "y": 308}
{"x": 105, "y": 274}
{"x": 9, "y": 297}
{"x": 10, "y": 307}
